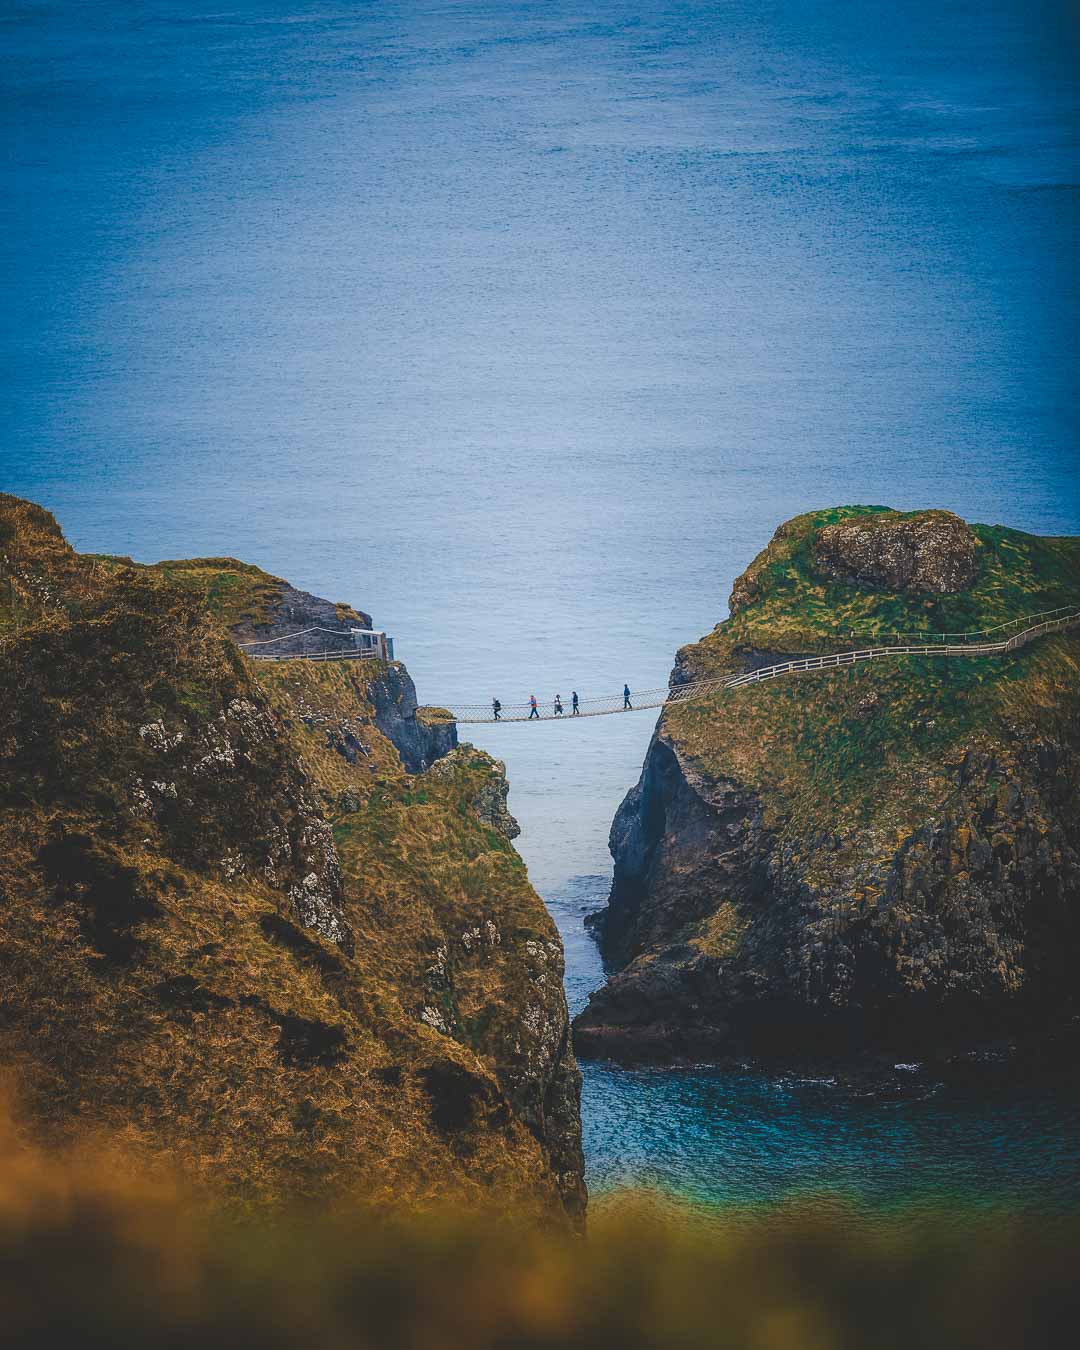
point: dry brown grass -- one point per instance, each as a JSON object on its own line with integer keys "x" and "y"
{"x": 159, "y": 987}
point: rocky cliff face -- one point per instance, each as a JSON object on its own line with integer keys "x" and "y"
{"x": 263, "y": 918}
{"x": 420, "y": 740}
{"x": 882, "y": 858}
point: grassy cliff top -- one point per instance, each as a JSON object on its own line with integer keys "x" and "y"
{"x": 39, "y": 570}
{"x": 787, "y": 600}
{"x": 235, "y": 592}
{"x": 240, "y": 595}
{"x": 878, "y": 743}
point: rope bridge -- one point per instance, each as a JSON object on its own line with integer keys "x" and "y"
{"x": 997, "y": 641}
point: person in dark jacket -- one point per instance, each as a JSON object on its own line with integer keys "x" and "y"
{"x": 574, "y": 710}
{"x": 496, "y": 708}
{"x": 626, "y": 698}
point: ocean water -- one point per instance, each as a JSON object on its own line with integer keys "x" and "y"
{"x": 522, "y": 325}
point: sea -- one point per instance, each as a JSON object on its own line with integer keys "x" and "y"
{"x": 522, "y": 324}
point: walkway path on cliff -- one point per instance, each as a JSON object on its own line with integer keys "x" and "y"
{"x": 997, "y": 641}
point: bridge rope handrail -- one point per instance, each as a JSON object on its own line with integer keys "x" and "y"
{"x": 963, "y": 645}
{"x": 1063, "y": 617}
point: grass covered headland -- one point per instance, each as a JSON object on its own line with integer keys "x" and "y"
{"x": 261, "y": 919}
{"x": 880, "y": 859}
{"x": 96, "y": 1253}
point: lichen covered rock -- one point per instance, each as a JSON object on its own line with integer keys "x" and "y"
{"x": 924, "y": 552}
{"x": 489, "y": 801}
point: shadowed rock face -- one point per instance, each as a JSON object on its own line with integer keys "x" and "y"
{"x": 676, "y": 840}
{"x": 884, "y": 859}
{"x": 732, "y": 938}
{"x": 933, "y": 552}
{"x": 420, "y": 743}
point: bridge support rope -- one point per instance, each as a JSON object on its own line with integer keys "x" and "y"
{"x": 1027, "y": 629}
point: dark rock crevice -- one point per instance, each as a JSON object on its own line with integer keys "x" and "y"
{"x": 419, "y": 743}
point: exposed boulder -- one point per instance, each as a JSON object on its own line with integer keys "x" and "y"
{"x": 929, "y": 552}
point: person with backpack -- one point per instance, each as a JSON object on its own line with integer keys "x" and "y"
{"x": 626, "y": 698}
{"x": 496, "y": 708}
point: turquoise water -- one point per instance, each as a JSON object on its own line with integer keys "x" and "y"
{"x": 522, "y": 325}
{"x": 739, "y": 1137}
{"x": 742, "y": 1138}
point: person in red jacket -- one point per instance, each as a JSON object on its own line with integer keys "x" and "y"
{"x": 533, "y": 710}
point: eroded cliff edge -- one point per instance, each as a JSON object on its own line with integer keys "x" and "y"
{"x": 265, "y": 919}
{"x": 884, "y": 858}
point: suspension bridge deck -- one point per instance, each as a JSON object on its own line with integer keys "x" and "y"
{"x": 995, "y": 641}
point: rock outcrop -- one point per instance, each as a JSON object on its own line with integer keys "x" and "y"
{"x": 420, "y": 738}
{"x": 490, "y": 800}
{"x": 263, "y": 918}
{"x": 931, "y": 552}
{"x": 883, "y": 858}
{"x": 284, "y": 614}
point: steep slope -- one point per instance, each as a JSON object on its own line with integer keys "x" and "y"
{"x": 237, "y": 927}
{"x": 883, "y": 857}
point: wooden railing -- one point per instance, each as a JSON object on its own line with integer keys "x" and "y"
{"x": 1028, "y": 628}
{"x": 346, "y": 654}
{"x": 963, "y": 645}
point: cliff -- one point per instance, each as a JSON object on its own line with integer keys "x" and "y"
{"x": 263, "y": 919}
{"x": 881, "y": 858}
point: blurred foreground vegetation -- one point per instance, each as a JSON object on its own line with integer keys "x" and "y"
{"x": 94, "y": 1253}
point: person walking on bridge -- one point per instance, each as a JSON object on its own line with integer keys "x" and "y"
{"x": 496, "y": 708}
{"x": 533, "y": 710}
{"x": 626, "y": 698}
{"x": 575, "y": 711}
{"x": 558, "y": 705}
